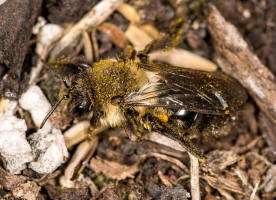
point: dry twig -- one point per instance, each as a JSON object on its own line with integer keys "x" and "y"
{"x": 252, "y": 197}
{"x": 92, "y": 19}
{"x": 95, "y": 46}
{"x": 88, "y": 49}
{"x": 194, "y": 170}
{"x": 80, "y": 154}
{"x": 195, "y": 189}
{"x": 161, "y": 139}
{"x": 170, "y": 159}
{"x": 235, "y": 57}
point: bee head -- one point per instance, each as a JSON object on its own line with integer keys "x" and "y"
{"x": 73, "y": 75}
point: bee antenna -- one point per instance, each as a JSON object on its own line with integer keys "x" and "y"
{"x": 52, "y": 110}
{"x": 51, "y": 68}
{"x": 45, "y": 63}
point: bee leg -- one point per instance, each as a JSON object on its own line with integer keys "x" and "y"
{"x": 128, "y": 53}
{"x": 220, "y": 126}
{"x": 135, "y": 126}
{"x": 175, "y": 133}
{"x": 137, "y": 129}
{"x": 187, "y": 144}
{"x": 174, "y": 37}
{"x": 95, "y": 131}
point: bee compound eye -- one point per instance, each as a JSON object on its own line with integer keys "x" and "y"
{"x": 116, "y": 99}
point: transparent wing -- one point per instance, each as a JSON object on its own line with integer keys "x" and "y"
{"x": 192, "y": 90}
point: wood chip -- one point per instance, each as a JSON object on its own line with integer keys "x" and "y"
{"x": 88, "y": 49}
{"x": 79, "y": 155}
{"x": 161, "y": 139}
{"x": 137, "y": 37}
{"x": 113, "y": 169}
{"x": 151, "y": 31}
{"x": 170, "y": 159}
{"x": 114, "y": 33}
{"x": 194, "y": 169}
{"x": 269, "y": 184}
{"x": 183, "y": 58}
{"x": 129, "y": 12}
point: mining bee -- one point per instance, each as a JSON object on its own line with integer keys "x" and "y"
{"x": 143, "y": 96}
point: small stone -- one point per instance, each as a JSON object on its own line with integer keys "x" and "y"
{"x": 14, "y": 147}
{"x": 34, "y": 101}
{"x": 49, "y": 148}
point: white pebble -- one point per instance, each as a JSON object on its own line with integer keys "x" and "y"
{"x": 48, "y": 144}
{"x": 41, "y": 21}
{"x": 34, "y": 101}
{"x": 14, "y": 147}
{"x": 49, "y": 147}
{"x": 246, "y": 13}
{"x": 48, "y": 34}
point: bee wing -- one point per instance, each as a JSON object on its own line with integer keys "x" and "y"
{"x": 192, "y": 90}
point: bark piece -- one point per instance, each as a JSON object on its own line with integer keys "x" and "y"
{"x": 61, "y": 11}
{"x": 16, "y": 20}
{"x": 235, "y": 57}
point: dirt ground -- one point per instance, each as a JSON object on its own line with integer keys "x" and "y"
{"x": 241, "y": 163}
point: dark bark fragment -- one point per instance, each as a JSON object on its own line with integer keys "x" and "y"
{"x": 61, "y": 11}
{"x": 16, "y": 20}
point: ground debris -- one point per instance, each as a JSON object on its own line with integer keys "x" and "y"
{"x": 166, "y": 193}
{"x": 15, "y": 33}
{"x": 70, "y": 193}
{"x": 20, "y": 186}
{"x": 218, "y": 160}
{"x": 224, "y": 183}
{"x": 240, "y": 165}
{"x": 269, "y": 184}
{"x": 115, "y": 169}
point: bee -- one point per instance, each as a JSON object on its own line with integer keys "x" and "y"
{"x": 142, "y": 96}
